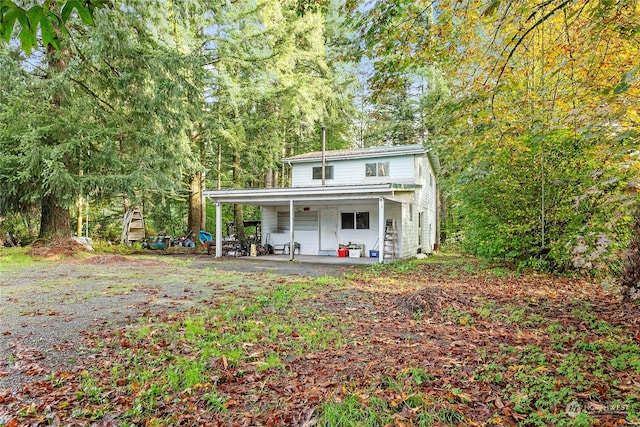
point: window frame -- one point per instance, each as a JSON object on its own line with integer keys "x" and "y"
{"x": 316, "y": 172}
{"x": 377, "y": 169}
{"x": 358, "y": 220}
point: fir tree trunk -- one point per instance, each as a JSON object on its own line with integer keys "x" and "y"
{"x": 195, "y": 205}
{"x": 203, "y": 201}
{"x": 631, "y": 272}
{"x": 438, "y": 196}
{"x": 238, "y": 215}
{"x": 238, "y": 219}
{"x": 268, "y": 178}
{"x": 444, "y": 220}
{"x": 55, "y": 221}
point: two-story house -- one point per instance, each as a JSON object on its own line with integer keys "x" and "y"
{"x": 379, "y": 198}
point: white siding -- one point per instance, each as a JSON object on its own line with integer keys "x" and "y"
{"x": 352, "y": 172}
{"x": 309, "y": 240}
{"x": 307, "y": 237}
{"x": 368, "y": 238}
{"x": 425, "y": 202}
{"x": 406, "y": 210}
{"x": 407, "y": 213}
{"x": 269, "y": 224}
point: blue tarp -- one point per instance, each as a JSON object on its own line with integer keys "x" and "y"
{"x": 205, "y": 237}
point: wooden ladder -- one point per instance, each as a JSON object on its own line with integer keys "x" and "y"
{"x": 390, "y": 239}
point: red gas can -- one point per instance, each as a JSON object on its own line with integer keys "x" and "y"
{"x": 343, "y": 252}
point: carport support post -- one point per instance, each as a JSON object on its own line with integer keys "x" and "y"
{"x": 218, "y": 229}
{"x": 292, "y": 247}
{"x": 381, "y": 225}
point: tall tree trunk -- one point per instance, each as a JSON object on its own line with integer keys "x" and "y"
{"x": 203, "y": 201}
{"x": 438, "y": 197}
{"x": 238, "y": 219}
{"x": 631, "y": 272}
{"x": 444, "y": 219}
{"x": 197, "y": 214}
{"x": 219, "y": 166}
{"x": 238, "y": 215}
{"x": 195, "y": 205}
{"x": 79, "y": 206}
{"x": 268, "y": 178}
{"x": 55, "y": 221}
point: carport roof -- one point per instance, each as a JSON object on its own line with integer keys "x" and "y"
{"x": 278, "y": 196}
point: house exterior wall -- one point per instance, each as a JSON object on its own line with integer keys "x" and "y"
{"x": 310, "y": 240}
{"x": 419, "y": 217}
{"x": 414, "y": 211}
{"x": 352, "y": 171}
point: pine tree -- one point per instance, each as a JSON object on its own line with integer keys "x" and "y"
{"x": 113, "y": 123}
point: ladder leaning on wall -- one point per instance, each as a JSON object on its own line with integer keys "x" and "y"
{"x": 390, "y": 239}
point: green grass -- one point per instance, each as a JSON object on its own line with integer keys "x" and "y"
{"x": 191, "y": 351}
{"x": 350, "y": 411}
{"x": 392, "y": 399}
{"x": 16, "y": 258}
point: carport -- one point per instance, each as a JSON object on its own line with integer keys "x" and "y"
{"x": 379, "y": 194}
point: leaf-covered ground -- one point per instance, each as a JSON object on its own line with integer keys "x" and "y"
{"x": 435, "y": 342}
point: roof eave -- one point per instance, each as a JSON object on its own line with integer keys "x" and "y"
{"x": 413, "y": 150}
{"x": 330, "y": 193}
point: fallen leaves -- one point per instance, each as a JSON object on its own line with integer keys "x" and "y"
{"x": 414, "y": 343}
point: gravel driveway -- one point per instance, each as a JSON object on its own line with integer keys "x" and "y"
{"x": 45, "y": 309}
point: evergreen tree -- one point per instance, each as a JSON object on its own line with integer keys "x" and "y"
{"x": 114, "y": 121}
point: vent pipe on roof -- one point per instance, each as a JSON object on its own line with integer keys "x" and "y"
{"x": 324, "y": 131}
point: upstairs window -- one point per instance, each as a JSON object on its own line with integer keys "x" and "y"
{"x": 328, "y": 172}
{"x": 377, "y": 169}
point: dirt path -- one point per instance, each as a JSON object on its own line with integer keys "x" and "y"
{"x": 45, "y": 309}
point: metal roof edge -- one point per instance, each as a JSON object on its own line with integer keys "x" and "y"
{"x": 399, "y": 150}
{"x": 303, "y": 190}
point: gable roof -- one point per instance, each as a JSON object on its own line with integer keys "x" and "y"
{"x": 360, "y": 153}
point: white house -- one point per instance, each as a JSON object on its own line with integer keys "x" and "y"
{"x": 380, "y": 198}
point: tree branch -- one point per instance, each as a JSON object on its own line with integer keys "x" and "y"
{"x": 92, "y": 93}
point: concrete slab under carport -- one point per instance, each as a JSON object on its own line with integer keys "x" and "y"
{"x": 303, "y": 265}
{"x": 318, "y": 259}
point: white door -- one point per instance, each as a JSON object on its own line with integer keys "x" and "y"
{"x": 329, "y": 229}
